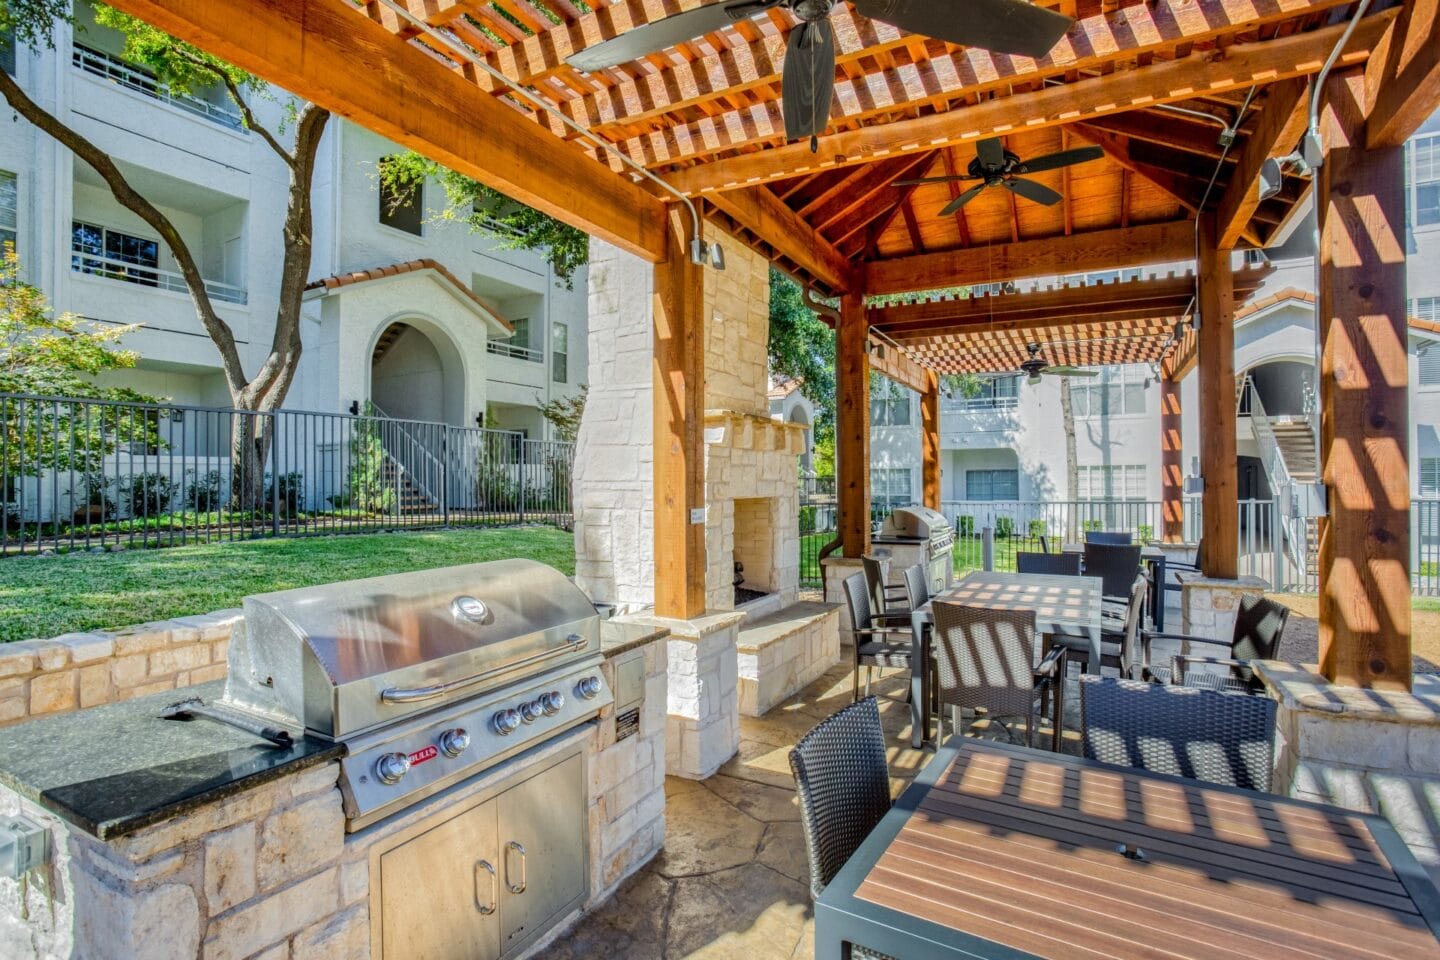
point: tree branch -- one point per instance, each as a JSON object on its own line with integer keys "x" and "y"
{"x": 233, "y": 89}
{"x": 126, "y": 195}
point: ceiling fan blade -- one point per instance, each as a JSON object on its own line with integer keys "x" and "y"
{"x": 991, "y": 152}
{"x": 1065, "y": 158}
{"x": 808, "y": 79}
{"x": 1065, "y": 371}
{"x": 1004, "y": 26}
{"x": 963, "y": 199}
{"x": 919, "y": 181}
{"x": 665, "y": 33}
{"x": 1032, "y": 190}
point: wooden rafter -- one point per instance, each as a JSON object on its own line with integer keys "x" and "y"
{"x": 760, "y": 211}
{"x": 1403, "y": 83}
{"x": 1286, "y": 110}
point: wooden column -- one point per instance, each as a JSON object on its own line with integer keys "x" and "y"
{"x": 1364, "y": 428}
{"x": 679, "y": 417}
{"x": 930, "y": 441}
{"x": 1220, "y": 506}
{"x": 1172, "y": 470}
{"x": 852, "y": 441}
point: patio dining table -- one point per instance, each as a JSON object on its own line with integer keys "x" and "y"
{"x": 1001, "y": 851}
{"x": 1064, "y": 606}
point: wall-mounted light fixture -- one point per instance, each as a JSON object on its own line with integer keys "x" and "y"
{"x": 480, "y": 419}
{"x": 354, "y": 408}
{"x": 1194, "y": 483}
{"x": 703, "y": 254}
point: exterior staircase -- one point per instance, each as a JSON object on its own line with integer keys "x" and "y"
{"x": 1297, "y": 447}
{"x": 411, "y": 500}
{"x": 386, "y": 341}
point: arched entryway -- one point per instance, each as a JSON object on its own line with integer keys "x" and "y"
{"x": 416, "y": 372}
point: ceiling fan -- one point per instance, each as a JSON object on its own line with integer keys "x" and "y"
{"x": 994, "y": 166}
{"x": 808, "y": 76}
{"x": 1035, "y": 366}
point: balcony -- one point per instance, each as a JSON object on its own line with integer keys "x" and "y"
{"x": 84, "y": 260}
{"x": 502, "y": 348}
{"x": 107, "y": 67}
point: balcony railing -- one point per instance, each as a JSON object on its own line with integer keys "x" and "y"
{"x": 978, "y": 404}
{"x": 84, "y": 261}
{"x": 131, "y": 77}
{"x": 503, "y": 349}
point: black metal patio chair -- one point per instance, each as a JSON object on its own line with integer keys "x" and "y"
{"x": 1206, "y": 735}
{"x": 1259, "y": 626}
{"x": 886, "y": 599}
{"x": 880, "y": 641}
{"x": 844, "y": 787}
{"x": 1056, "y": 564}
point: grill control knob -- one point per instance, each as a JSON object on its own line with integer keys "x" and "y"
{"x": 454, "y": 742}
{"x": 552, "y": 702}
{"x": 391, "y": 767}
{"x": 531, "y": 710}
{"x": 506, "y": 722}
{"x": 588, "y": 687}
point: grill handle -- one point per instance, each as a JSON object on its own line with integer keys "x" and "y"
{"x": 419, "y": 694}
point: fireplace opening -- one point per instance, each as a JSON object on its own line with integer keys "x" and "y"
{"x": 754, "y": 551}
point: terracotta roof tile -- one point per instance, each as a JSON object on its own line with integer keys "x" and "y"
{"x": 410, "y": 266}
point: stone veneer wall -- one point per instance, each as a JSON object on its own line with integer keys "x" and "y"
{"x": 79, "y": 670}
{"x": 702, "y": 730}
{"x": 1208, "y": 607}
{"x": 737, "y": 330}
{"x": 270, "y": 874}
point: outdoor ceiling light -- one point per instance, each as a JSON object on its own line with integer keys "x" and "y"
{"x": 702, "y": 253}
{"x": 717, "y": 256}
{"x": 1273, "y": 170}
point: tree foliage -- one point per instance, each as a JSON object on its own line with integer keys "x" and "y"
{"x": 483, "y": 210}
{"x": 32, "y": 22}
{"x": 564, "y": 414}
{"x": 802, "y": 347}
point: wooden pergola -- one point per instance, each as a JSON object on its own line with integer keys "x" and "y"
{"x": 1160, "y": 87}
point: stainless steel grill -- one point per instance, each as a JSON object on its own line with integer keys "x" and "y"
{"x": 427, "y": 677}
{"x": 917, "y": 534}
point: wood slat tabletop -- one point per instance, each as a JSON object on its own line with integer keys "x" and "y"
{"x": 1062, "y": 605}
{"x": 1022, "y": 850}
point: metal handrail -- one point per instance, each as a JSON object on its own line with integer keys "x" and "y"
{"x": 974, "y": 404}
{"x": 504, "y": 349}
{"x": 98, "y": 265}
{"x": 414, "y": 445}
{"x": 1277, "y": 471}
{"x": 100, "y": 64}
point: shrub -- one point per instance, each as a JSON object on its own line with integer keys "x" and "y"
{"x": 1037, "y": 529}
{"x": 807, "y": 519}
{"x": 1092, "y": 525}
{"x": 965, "y": 526}
{"x": 150, "y": 494}
{"x": 365, "y": 486}
{"x": 203, "y": 494}
{"x": 97, "y": 505}
{"x": 287, "y": 493}
{"x": 1145, "y": 533}
{"x": 1004, "y": 528}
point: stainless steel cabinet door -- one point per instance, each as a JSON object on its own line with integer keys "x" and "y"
{"x": 439, "y": 892}
{"x": 542, "y": 850}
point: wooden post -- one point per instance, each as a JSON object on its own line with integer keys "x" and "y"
{"x": 679, "y": 418}
{"x": 1364, "y": 428}
{"x": 930, "y": 441}
{"x": 1172, "y": 470}
{"x": 852, "y": 442}
{"x": 1220, "y": 513}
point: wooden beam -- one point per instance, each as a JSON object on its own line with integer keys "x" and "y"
{"x": 766, "y": 215}
{"x": 1037, "y": 304}
{"x": 930, "y": 441}
{"x": 1402, "y": 83}
{"x": 1183, "y": 356}
{"x": 1220, "y": 506}
{"x": 897, "y": 365}
{"x": 852, "y": 443}
{"x": 1365, "y": 620}
{"x": 1286, "y": 112}
{"x": 1117, "y": 148}
{"x": 1236, "y": 68}
{"x": 678, "y": 323}
{"x": 1172, "y": 467}
{"x": 1077, "y": 253}
{"x": 329, "y": 53}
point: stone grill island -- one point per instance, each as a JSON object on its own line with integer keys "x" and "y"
{"x": 177, "y": 838}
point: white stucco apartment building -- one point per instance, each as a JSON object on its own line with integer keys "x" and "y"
{"x": 1009, "y": 443}
{"x": 430, "y": 340}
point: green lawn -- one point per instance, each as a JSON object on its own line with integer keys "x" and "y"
{"x": 48, "y": 596}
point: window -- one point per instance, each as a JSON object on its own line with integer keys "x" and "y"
{"x": 1118, "y": 391}
{"x": 521, "y": 336}
{"x": 890, "y": 485}
{"x": 1425, "y": 308}
{"x": 1425, "y": 178}
{"x": 402, "y": 206}
{"x": 1112, "y": 482}
{"x": 112, "y": 253}
{"x": 890, "y": 410}
{"x": 1430, "y": 365}
{"x": 560, "y": 355}
{"x": 7, "y": 50}
{"x": 9, "y": 208}
{"x": 1430, "y": 476}
{"x": 992, "y": 485}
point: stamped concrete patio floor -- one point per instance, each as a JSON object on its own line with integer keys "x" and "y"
{"x": 732, "y": 881}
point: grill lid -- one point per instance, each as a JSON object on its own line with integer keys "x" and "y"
{"x": 915, "y": 521}
{"x": 349, "y": 656}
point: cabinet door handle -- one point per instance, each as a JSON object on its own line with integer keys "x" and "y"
{"x": 510, "y": 884}
{"x": 486, "y": 909}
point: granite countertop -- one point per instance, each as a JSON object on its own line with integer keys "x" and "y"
{"x": 114, "y": 769}
{"x": 618, "y": 636}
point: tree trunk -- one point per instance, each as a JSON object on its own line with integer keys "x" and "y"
{"x": 1072, "y": 462}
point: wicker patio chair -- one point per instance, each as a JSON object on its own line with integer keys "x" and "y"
{"x": 1057, "y": 564}
{"x": 1116, "y": 567}
{"x": 1109, "y": 538}
{"x": 844, "y": 788}
{"x": 1201, "y": 734}
{"x": 1119, "y": 637}
{"x": 886, "y": 599}
{"x": 917, "y": 587}
{"x": 879, "y": 641}
{"x": 1044, "y": 544}
{"x": 985, "y": 660}
{"x": 1259, "y": 625}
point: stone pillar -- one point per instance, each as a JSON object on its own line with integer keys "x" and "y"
{"x": 702, "y": 730}
{"x": 836, "y": 568}
{"x": 1208, "y": 605}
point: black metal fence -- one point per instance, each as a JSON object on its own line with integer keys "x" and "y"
{"x": 77, "y": 474}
